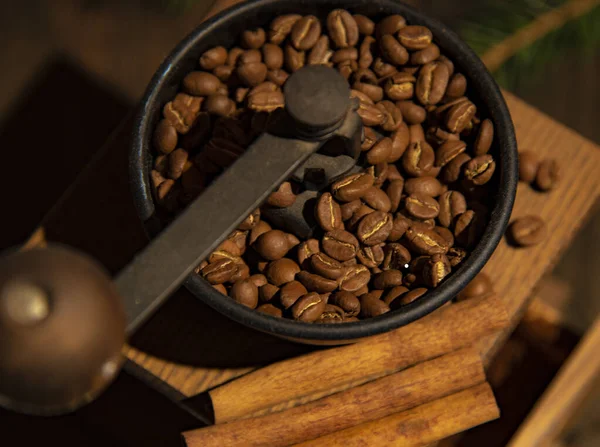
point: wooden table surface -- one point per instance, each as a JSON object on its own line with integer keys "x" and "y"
{"x": 193, "y": 348}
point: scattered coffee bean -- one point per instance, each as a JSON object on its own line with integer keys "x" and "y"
{"x": 219, "y": 272}
{"x": 290, "y": 293}
{"x": 305, "y": 33}
{"x": 374, "y": 228}
{"x": 328, "y": 213}
{"x": 425, "y": 241}
{"x": 418, "y": 159}
{"x": 340, "y": 245}
{"x": 436, "y": 269}
{"x": 432, "y": 83}
{"x": 411, "y": 112}
{"x": 165, "y": 137}
{"x": 331, "y": 315}
{"x": 528, "y": 166}
{"x": 480, "y": 169}
{"x": 281, "y": 27}
{"x": 479, "y": 286}
{"x": 449, "y": 151}
{"x": 452, "y": 204}
{"x": 326, "y": 266}
{"x": 372, "y": 306}
{"x": 271, "y": 310}
{"x": 408, "y": 298}
{"x": 527, "y": 231}
{"x": 352, "y": 187}
{"x": 377, "y": 199}
{"x": 426, "y": 55}
{"x": 245, "y": 292}
{"x": 485, "y": 137}
{"x": 213, "y": 58}
{"x": 343, "y": 28}
{"x": 346, "y": 301}
{"x": 422, "y": 206}
{"x": 316, "y": 283}
{"x": 308, "y": 308}
{"x": 548, "y": 175}
{"x": 452, "y": 171}
{"x": 283, "y": 197}
{"x": 371, "y": 257}
{"x": 267, "y": 292}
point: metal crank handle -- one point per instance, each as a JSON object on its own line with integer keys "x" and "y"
{"x": 63, "y": 321}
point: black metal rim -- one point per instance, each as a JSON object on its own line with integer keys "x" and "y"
{"x": 480, "y": 80}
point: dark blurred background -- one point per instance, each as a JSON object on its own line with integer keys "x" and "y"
{"x": 72, "y": 70}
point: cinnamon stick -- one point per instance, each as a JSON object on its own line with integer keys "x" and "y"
{"x": 412, "y": 387}
{"x": 421, "y": 425}
{"x": 318, "y": 374}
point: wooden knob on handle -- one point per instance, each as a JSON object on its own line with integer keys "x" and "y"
{"x": 62, "y": 327}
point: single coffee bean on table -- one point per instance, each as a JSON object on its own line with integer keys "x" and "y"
{"x": 385, "y": 233}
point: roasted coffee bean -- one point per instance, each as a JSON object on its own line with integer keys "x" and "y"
{"x": 272, "y": 245}
{"x": 392, "y": 50}
{"x": 438, "y": 136}
{"x": 267, "y": 292}
{"x": 252, "y": 73}
{"x": 243, "y": 271}
{"x": 290, "y": 293}
{"x": 347, "y": 301}
{"x": 212, "y": 58}
{"x": 176, "y": 163}
{"x": 416, "y": 133}
{"x": 452, "y": 204}
{"x": 245, "y": 293}
{"x": 281, "y": 272}
{"x": 182, "y": 112}
{"x": 254, "y": 38}
{"x": 479, "y": 286}
{"x": 422, "y": 206}
{"x": 294, "y": 59}
{"x": 548, "y": 175}
{"x": 436, "y": 269}
{"x": 394, "y": 192}
{"x": 372, "y": 91}
{"x": 411, "y": 112}
{"x": 326, "y": 266}
{"x": 354, "y": 278}
{"x": 371, "y": 306}
{"x": 426, "y": 55}
{"x": 331, "y": 315}
{"x": 219, "y": 105}
{"x": 377, "y": 199}
{"x": 400, "y": 141}
{"x": 340, "y": 245}
{"x": 418, "y": 159}
{"x": 250, "y": 221}
{"x": 282, "y": 26}
{"x": 425, "y": 241}
{"x": 459, "y": 116}
{"x": 399, "y": 86}
{"x": 408, "y": 298}
{"x": 449, "y": 151}
{"x": 393, "y": 294}
{"x": 415, "y": 37}
{"x": 161, "y": 166}
{"x": 348, "y": 209}
{"x": 220, "y": 288}
{"x": 308, "y": 308}
{"x": 456, "y": 255}
{"x": 382, "y": 68}
{"x": 358, "y": 216}
{"x": 259, "y": 280}
{"x": 446, "y": 234}
{"x": 393, "y": 116}
{"x": 396, "y": 257}
{"x": 371, "y": 257}
{"x": 283, "y": 197}
{"x": 457, "y": 86}
{"x": 201, "y": 83}
{"x": 480, "y": 169}
{"x": 452, "y": 171}
{"x": 390, "y": 25}
{"x": 271, "y": 310}
{"x": 527, "y": 231}
{"x": 230, "y": 247}
{"x": 272, "y": 56}
{"x": 485, "y": 137}
{"x": 344, "y": 54}
{"x": 429, "y": 186}
{"x": 352, "y": 187}
{"x": 369, "y": 140}
{"x": 366, "y": 26}
{"x": 240, "y": 238}
{"x": 307, "y": 249}
{"x": 320, "y": 54}
{"x": 305, "y": 33}
{"x": 220, "y": 272}
{"x": 448, "y": 63}
{"x": 380, "y": 151}
{"x": 467, "y": 229}
{"x": 328, "y": 213}
{"x": 266, "y": 101}
{"x": 347, "y": 68}
{"x": 528, "y": 166}
{"x": 316, "y": 283}
{"x": 387, "y": 279}
{"x": 400, "y": 225}
{"x": 165, "y": 137}
{"x": 277, "y": 76}
{"x": 374, "y": 228}
{"x": 342, "y": 28}
{"x": 370, "y": 114}
{"x": 432, "y": 83}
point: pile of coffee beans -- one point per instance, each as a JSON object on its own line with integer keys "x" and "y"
{"x": 387, "y": 234}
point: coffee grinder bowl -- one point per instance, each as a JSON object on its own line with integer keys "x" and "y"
{"x": 224, "y": 29}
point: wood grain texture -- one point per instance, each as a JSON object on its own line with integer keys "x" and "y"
{"x": 397, "y": 392}
{"x": 564, "y": 395}
{"x": 421, "y": 425}
{"x": 454, "y": 327}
